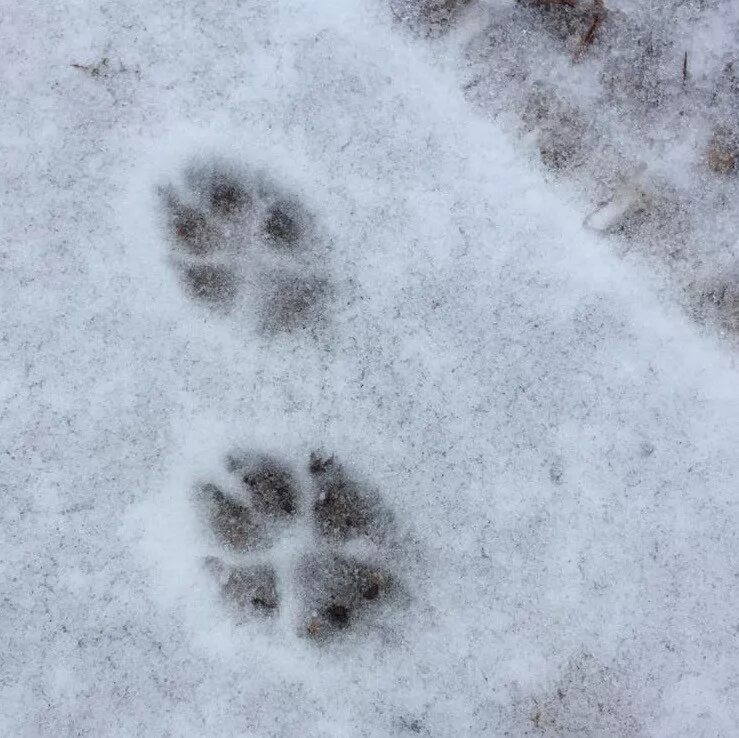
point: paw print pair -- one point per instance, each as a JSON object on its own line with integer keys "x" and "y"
{"x": 312, "y": 543}
{"x": 238, "y": 242}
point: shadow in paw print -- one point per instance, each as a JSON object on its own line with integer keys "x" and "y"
{"x": 271, "y": 493}
{"x": 247, "y": 589}
{"x": 339, "y": 591}
{"x": 190, "y": 228}
{"x": 343, "y": 508}
{"x": 220, "y": 189}
{"x": 271, "y": 484}
{"x": 232, "y": 522}
{"x": 197, "y": 222}
{"x": 226, "y": 195}
{"x": 285, "y": 223}
{"x": 211, "y": 283}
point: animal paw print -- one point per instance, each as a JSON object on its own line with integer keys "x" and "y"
{"x": 310, "y": 548}
{"x": 237, "y": 241}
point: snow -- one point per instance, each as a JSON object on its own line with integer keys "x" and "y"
{"x": 649, "y": 107}
{"x": 554, "y": 435}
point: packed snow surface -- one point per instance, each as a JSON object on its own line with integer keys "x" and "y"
{"x": 553, "y": 438}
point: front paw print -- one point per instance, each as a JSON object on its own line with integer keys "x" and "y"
{"x": 240, "y": 243}
{"x": 312, "y": 545}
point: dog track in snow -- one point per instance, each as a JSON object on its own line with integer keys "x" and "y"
{"x": 237, "y": 241}
{"x": 315, "y": 545}
{"x": 308, "y": 547}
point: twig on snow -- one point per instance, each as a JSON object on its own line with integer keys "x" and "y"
{"x": 599, "y": 12}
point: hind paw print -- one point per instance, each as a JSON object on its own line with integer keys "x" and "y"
{"x": 342, "y": 508}
{"x": 237, "y": 241}
{"x": 310, "y": 548}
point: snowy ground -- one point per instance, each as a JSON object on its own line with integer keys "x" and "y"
{"x": 554, "y": 435}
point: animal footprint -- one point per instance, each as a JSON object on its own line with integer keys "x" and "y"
{"x": 237, "y": 241}
{"x": 308, "y": 547}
